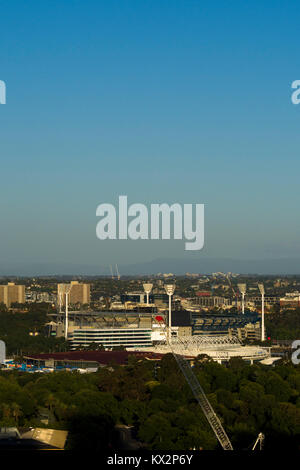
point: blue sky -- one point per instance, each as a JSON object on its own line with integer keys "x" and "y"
{"x": 181, "y": 101}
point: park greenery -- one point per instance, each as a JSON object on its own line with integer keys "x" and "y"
{"x": 284, "y": 324}
{"x": 154, "y": 399}
{"x": 151, "y": 397}
{"x": 25, "y": 333}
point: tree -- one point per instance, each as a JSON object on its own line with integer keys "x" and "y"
{"x": 157, "y": 432}
{"x": 16, "y": 412}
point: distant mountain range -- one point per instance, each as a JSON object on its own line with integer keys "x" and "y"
{"x": 166, "y": 265}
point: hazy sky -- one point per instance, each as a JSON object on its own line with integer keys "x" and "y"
{"x": 182, "y": 101}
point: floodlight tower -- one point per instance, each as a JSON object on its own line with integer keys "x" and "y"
{"x": 147, "y": 288}
{"x": 59, "y": 302}
{"x": 67, "y": 289}
{"x": 170, "y": 288}
{"x": 242, "y": 289}
{"x": 60, "y": 295}
{"x": 262, "y": 291}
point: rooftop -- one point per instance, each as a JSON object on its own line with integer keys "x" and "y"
{"x": 102, "y": 357}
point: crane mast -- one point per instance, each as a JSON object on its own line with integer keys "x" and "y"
{"x": 199, "y": 394}
{"x": 260, "y": 440}
{"x": 201, "y": 398}
{"x": 111, "y": 270}
{"x": 118, "y": 274}
{"x": 234, "y": 293}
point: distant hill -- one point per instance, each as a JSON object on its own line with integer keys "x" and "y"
{"x": 209, "y": 265}
{"x": 164, "y": 265}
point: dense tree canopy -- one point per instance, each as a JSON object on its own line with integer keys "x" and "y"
{"x": 284, "y": 324}
{"x": 25, "y": 332}
{"x": 154, "y": 399}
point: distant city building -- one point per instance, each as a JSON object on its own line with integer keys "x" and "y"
{"x": 204, "y": 299}
{"x": 281, "y": 283}
{"x": 136, "y": 297}
{"x": 203, "y": 294}
{"x": 79, "y": 293}
{"x": 224, "y": 324}
{"x": 291, "y": 300}
{"x": 44, "y": 297}
{"x": 127, "y": 329}
{"x": 250, "y": 331}
{"x": 111, "y": 337}
{"x": 117, "y": 306}
{"x": 12, "y": 293}
{"x": 269, "y": 300}
{"x": 35, "y": 296}
{"x": 158, "y": 297}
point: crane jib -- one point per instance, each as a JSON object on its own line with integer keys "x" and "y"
{"x": 199, "y": 394}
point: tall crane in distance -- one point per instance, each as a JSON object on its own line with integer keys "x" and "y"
{"x": 111, "y": 271}
{"x": 234, "y": 293}
{"x": 118, "y": 274}
{"x": 198, "y": 393}
{"x": 200, "y": 396}
{"x": 205, "y": 405}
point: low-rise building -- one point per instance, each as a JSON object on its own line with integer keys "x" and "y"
{"x": 290, "y": 300}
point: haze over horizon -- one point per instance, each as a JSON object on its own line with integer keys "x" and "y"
{"x": 163, "y": 265}
{"x": 164, "y": 102}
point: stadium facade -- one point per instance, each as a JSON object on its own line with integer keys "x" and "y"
{"x": 218, "y": 336}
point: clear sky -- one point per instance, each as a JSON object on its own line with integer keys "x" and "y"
{"x": 164, "y": 101}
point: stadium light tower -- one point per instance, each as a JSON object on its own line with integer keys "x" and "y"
{"x": 60, "y": 295}
{"x": 147, "y": 288}
{"x": 262, "y": 291}
{"x": 242, "y": 289}
{"x": 170, "y": 288}
{"x": 66, "y": 291}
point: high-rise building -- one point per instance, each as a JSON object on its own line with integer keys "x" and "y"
{"x": 12, "y": 293}
{"x": 4, "y": 295}
{"x": 79, "y": 293}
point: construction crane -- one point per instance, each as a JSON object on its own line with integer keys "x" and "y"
{"x": 234, "y": 293}
{"x": 260, "y": 440}
{"x": 199, "y": 394}
{"x": 118, "y": 274}
{"x": 201, "y": 398}
{"x": 111, "y": 270}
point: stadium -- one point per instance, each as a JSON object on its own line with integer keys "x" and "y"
{"x": 219, "y": 337}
